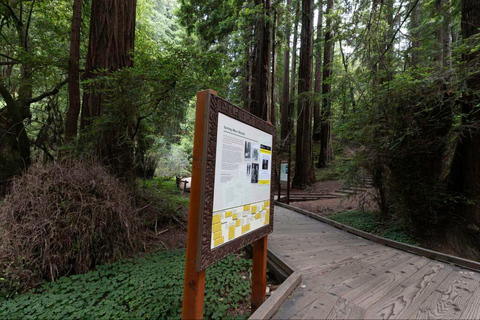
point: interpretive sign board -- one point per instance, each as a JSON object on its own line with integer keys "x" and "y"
{"x": 284, "y": 170}
{"x": 231, "y": 199}
{"x": 237, "y": 181}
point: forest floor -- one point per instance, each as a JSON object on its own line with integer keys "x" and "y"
{"x": 149, "y": 284}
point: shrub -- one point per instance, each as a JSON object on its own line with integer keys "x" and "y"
{"x": 64, "y": 218}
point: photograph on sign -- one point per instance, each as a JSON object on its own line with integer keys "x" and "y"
{"x": 243, "y": 169}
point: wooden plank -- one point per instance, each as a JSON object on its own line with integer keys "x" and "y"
{"x": 372, "y": 291}
{"x": 450, "y": 298}
{"x": 402, "y": 300}
{"x": 301, "y": 298}
{"x": 321, "y": 308}
{"x": 273, "y": 303}
{"x": 472, "y": 311}
{"x": 345, "y": 309}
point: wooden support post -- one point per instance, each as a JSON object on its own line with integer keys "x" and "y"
{"x": 194, "y": 282}
{"x": 259, "y": 273}
{"x": 279, "y": 181}
{"x": 288, "y": 171}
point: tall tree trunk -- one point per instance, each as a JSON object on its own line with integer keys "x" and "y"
{"x": 73, "y": 111}
{"x": 415, "y": 32}
{"x": 326, "y": 149}
{"x": 465, "y": 169}
{"x": 318, "y": 75}
{"x": 110, "y": 48}
{"x": 304, "y": 173}
{"x": 447, "y": 33}
{"x": 291, "y": 105}
{"x": 273, "y": 109}
{"x": 260, "y": 104}
{"x": 284, "y": 112}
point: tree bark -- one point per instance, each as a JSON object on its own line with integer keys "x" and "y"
{"x": 415, "y": 32}
{"x": 284, "y": 112}
{"x": 110, "y": 48}
{"x": 465, "y": 169}
{"x": 291, "y": 105}
{"x": 71, "y": 122}
{"x": 318, "y": 76}
{"x": 326, "y": 149}
{"x": 260, "y": 104}
{"x": 273, "y": 109}
{"x": 304, "y": 173}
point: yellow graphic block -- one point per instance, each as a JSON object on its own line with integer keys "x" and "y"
{"x": 246, "y": 208}
{"x": 258, "y": 215}
{"x": 254, "y": 209}
{"x": 235, "y": 216}
{"x": 231, "y": 232}
{"x": 266, "y": 203}
{"x": 263, "y": 182}
{"x": 218, "y": 241}
{"x": 245, "y": 228}
{"x": 217, "y": 234}
{"x": 237, "y": 223}
{"x": 216, "y": 219}
{"x": 216, "y": 227}
{"x": 228, "y": 214}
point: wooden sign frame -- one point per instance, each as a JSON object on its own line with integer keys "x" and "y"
{"x": 199, "y": 253}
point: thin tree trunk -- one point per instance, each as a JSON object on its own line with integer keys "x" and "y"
{"x": 304, "y": 173}
{"x": 416, "y": 35}
{"x": 284, "y": 114}
{"x": 293, "y": 77}
{"x": 273, "y": 109}
{"x": 447, "y": 34}
{"x": 318, "y": 75}
{"x": 326, "y": 150}
{"x": 260, "y": 104}
{"x": 73, "y": 111}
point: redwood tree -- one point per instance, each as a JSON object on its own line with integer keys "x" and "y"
{"x": 326, "y": 150}
{"x": 110, "y": 48}
{"x": 73, "y": 111}
{"x": 260, "y": 103}
{"x": 304, "y": 173}
{"x": 284, "y": 114}
{"x": 318, "y": 75}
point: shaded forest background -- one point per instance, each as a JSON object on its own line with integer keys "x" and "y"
{"x": 107, "y": 88}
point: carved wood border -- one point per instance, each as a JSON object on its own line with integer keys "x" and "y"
{"x": 205, "y": 255}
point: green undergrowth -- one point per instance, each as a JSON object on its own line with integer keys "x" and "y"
{"x": 372, "y": 222}
{"x": 147, "y": 287}
{"x": 167, "y": 189}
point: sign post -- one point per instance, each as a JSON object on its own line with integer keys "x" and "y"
{"x": 231, "y": 199}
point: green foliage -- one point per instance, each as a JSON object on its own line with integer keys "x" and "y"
{"x": 168, "y": 190}
{"x": 372, "y": 222}
{"x": 148, "y": 287}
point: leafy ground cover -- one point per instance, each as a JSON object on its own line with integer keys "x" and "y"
{"x": 147, "y": 287}
{"x": 372, "y": 222}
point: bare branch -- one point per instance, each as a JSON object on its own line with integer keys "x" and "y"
{"x": 54, "y": 91}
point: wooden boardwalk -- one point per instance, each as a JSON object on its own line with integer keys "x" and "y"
{"x": 348, "y": 277}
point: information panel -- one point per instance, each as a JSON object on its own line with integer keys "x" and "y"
{"x": 241, "y": 200}
{"x": 236, "y": 205}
